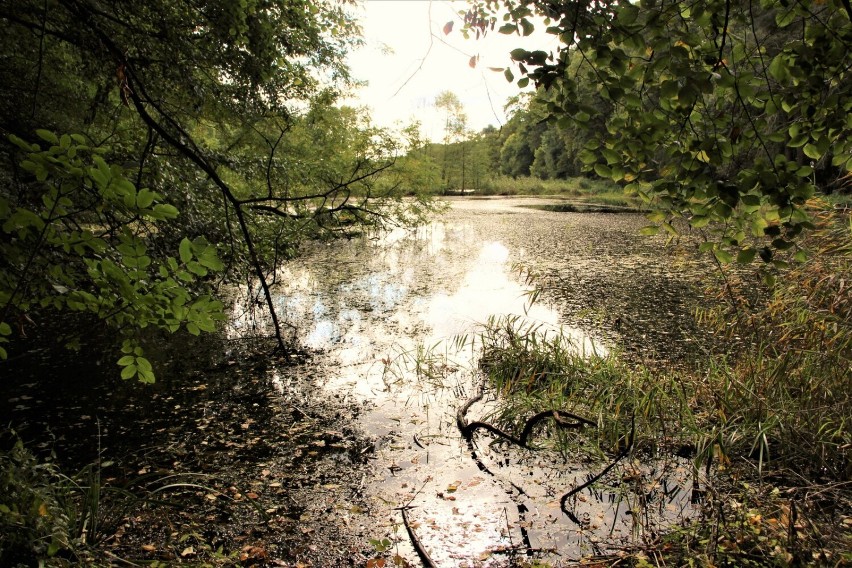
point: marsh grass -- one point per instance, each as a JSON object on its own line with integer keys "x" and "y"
{"x": 574, "y": 187}
{"x": 770, "y": 419}
{"x": 786, "y": 387}
{"x": 532, "y": 370}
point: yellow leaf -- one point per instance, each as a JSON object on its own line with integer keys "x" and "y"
{"x": 42, "y": 510}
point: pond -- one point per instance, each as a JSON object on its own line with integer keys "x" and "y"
{"x": 329, "y": 448}
{"x": 386, "y": 314}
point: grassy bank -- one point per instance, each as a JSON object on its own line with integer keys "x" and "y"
{"x": 597, "y": 191}
{"x": 767, "y": 422}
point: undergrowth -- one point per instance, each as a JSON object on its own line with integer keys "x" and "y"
{"x": 50, "y": 518}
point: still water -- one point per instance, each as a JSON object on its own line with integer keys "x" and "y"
{"x": 387, "y": 313}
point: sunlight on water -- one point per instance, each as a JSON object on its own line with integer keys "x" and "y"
{"x": 384, "y": 313}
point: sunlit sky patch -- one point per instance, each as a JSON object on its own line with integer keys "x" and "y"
{"x": 404, "y": 75}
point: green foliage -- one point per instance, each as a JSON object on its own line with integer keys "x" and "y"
{"x": 79, "y": 238}
{"x": 34, "y": 522}
{"x": 226, "y": 112}
{"x": 732, "y": 115}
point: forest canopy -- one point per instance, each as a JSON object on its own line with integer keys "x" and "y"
{"x": 150, "y": 150}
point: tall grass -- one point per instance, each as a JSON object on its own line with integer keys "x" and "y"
{"x": 781, "y": 397}
{"x": 772, "y": 416}
{"x": 787, "y": 385}
{"x": 532, "y": 371}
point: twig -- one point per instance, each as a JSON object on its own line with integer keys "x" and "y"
{"x": 415, "y": 542}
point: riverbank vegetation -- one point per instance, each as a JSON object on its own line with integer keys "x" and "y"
{"x": 764, "y": 421}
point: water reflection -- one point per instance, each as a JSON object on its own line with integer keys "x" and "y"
{"x": 384, "y": 311}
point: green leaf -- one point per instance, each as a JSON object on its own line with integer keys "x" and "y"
{"x": 128, "y": 372}
{"x": 5, "y": 328}
{"x": 722, "y": 255}
{"x": 778, "y": 68}
{"x": 126, "y": 360}
{"x": 196, "y": 268}
{"x": 47, "y": 136}
{"x": 145, "y": 198}
{"x": 669, "y": 89}
{"x": 811, "y": 151}
{"x": 165, "y": 211}
{"x": 185, "y": 250}
{"x": 527, "y": 26}
{"x": 649, "y": 231}
{"x": 143, "y": 364}
{"x": 610, "y": 155}
{"x": 746, "y": 255}
{"x": 603, "y": 171}
{"x": 699, "y": 221}
{"x": 588, "y": 157}
{"x": 146, "y": 376}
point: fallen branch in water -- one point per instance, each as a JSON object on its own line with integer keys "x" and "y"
{"x": 559, "y": 418}
{"x": 621, "y": 455}
{"x": 468, "y": 429}
{"x": 415, "y": 542}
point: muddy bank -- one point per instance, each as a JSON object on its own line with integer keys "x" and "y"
{"x": 229, "y": 457}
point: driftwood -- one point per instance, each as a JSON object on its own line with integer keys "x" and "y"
{"x": 560, "y": 418}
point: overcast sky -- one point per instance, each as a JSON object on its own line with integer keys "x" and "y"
{"x": 405, "y": 75}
